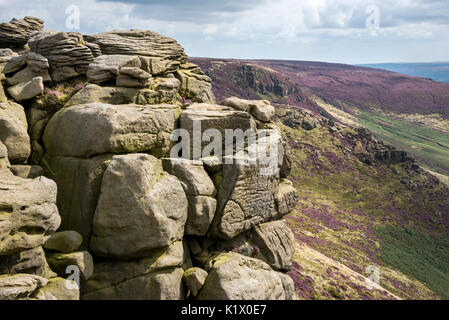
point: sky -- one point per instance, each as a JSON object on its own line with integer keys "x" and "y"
{"x": 344, "y": 31}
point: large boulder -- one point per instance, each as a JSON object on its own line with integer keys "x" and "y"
{"x": 13, "y": 131}
{"x": 109, "y": 95}
{"x": 106, "y": 68}
{"x": 158, "y": 276}
{"x": 20, "y": 286}
{"x": 275, "y": 244}
{"x": 166, "y": 284}
{"x": 79, "y": 182}
{"x": 29, "y": 212}
{"x": 92, "y": 129}
{"x": 140, "y": 208}
{"x": 207, "y": 117}
{"x": 17, "y": 32}
{"x": 142, "y": 43}
{"x": 236, "y": 277}
{"x": 27, "y": 90}
{"x": 64, "y": 241}
{"x": 67, "y": 53}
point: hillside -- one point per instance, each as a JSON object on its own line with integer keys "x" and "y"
{"x": 389, "y": 214}
{"x": 408, "y": 112}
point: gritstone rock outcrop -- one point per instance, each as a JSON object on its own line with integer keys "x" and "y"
{"x": 98, "y": 117}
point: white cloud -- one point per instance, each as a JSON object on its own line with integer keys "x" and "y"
{"x": 332, "y": 30}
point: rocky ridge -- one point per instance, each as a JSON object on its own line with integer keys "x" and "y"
{"x": 121, "y": 218}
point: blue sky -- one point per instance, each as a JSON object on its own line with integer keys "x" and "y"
{"x": 346, "y": 31}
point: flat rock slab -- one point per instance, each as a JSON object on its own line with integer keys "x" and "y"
{"x": 92, "y": 129}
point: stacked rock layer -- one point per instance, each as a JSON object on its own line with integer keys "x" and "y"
{"x": 135, "y": 219}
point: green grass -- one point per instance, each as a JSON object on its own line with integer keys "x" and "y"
{"x": 418, "y": 255}
{"x": 429, "y": 146}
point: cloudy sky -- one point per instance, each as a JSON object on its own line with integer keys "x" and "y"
{"x": 347, "y": 31}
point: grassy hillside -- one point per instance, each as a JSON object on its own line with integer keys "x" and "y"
{"x": 428, "y": 145}
{"x": 362, "y": 215}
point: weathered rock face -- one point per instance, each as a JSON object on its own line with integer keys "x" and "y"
{"x": 110, "y": 129}
{"x": 67, "y": 53}
{"x": 29, "y": 210}
{"x": 140, "y": 208}
{"x": 27, "y": 172}
{"x": 195, "y": 84}
{"x": 13, "y": 131}
{"x": 106, "y": 68}
{"x": 276, "y": 244}
{"x": 19, "y": 286}
{"x": 159, "y": 276}
{"x": 36, "y": 66}
{"x": 286, "y": 198}
{"x": 157, "y": 226}
{"x": 58, "y": 289}
{"x": 17, "y": 32}
{"x": 142, "y": 43}
{"x": 206, "y": 117}
{"x": 30, "y": 261}
{"x": 78, "y": 182}
{"x": 236, "y": 277}
{"x": 82, "y": 260}
{"x": 4, "y": 161}
{"x": 200, "y": 191}
{"x": 108, "y": 95}
{"x": 260, "y": 109}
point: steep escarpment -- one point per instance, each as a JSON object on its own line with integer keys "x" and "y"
{"x": 409, "y": 113}
{"x": 106, "y": 191}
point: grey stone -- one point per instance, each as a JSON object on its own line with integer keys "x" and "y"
{"x": 155, "y": 214}
{"x": 64, "y": 241}
{"x": 92, "y": 129}
{"x": 195, "y": 278}
{"x": 236, "y": 277}
{"x": 27, "y": 90}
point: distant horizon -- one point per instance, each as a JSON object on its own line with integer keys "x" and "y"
{"x": 334, "y": 62}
